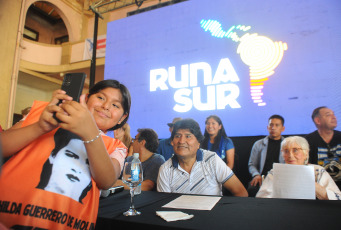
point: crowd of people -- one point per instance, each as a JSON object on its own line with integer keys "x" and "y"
{"x": 63, "y": 166}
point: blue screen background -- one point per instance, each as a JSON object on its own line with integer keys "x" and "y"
{"x": 308, "y": 76}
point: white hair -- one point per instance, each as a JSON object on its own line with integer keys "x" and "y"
{"x": 301, "y": 141}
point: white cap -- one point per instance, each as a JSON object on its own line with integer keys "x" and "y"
{"x": 136, "y": 155}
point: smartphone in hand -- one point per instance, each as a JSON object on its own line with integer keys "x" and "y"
{"x": 73, "y": 84}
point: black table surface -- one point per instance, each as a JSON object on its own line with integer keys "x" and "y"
{"x": 229, "y": 213}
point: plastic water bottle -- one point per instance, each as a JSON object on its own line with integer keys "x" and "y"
{"x": 135, "y": 171}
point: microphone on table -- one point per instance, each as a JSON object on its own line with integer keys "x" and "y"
{"x": 110, "y": 191}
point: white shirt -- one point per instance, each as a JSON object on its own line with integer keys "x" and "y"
{"x": 322, "y": 177}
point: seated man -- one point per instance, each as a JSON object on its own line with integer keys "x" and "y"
{"x": 325, "y": 143}
{"x": 193, "y": 170}
{"x": 265, "y": 152}
{"x": 146, "y": 143}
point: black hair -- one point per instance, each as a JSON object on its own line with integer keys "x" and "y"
{"x": 189, "y": 124}
{"x": 126, "y": 99}
{"x": 217, "y": 139}
{"x": 61, "y": 139}
{"x": 151, "y": 138}
{"x": 316, "y": 112}
{"x": 276, "y": 116}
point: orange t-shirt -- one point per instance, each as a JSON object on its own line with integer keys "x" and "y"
{"x": 57, "y": 204}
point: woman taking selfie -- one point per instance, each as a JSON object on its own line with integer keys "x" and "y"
{"x": 56, "y": 170}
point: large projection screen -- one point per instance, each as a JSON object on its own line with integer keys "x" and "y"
{"x": 241, "y": 60}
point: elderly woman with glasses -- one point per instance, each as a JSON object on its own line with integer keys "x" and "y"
{"x": 295, "y": 151}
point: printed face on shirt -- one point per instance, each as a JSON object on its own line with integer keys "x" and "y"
{"x": 212, "y": 127}
{"x": 185, "y": 144}
{"x": 294, "y": 154}
{"x": 106, "y": 108}
{"x": 70, "y": 170}
{"x": 275, "y": 128}
{"x": 326, "y": 119}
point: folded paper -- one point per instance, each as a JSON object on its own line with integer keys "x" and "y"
{"x": 173, "y": 215}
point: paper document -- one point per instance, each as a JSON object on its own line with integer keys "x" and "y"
{"x": 293, "y": 181}
{"x": 173, "y": 215}
{"x": 193, "y": 202}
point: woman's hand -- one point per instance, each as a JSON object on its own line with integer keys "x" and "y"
{"x": 78, "y": 119}
{"x": 321, "y": 192}
{"x": 46, "y": 120}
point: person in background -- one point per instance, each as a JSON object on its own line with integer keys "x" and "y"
{"x": 106, "y": 107}
{"x": 165, "y": 148}
{"x": 123, "y": 134}
{"x": 265, "y": 152}
{"x": 146, "y": 143}
{"x": 216, "y": 140}
{"x": 24, "y": 114}
{"x": 192, "y": 170}
{"x": 295, "y": 150}
{"x": 325, "y": 143}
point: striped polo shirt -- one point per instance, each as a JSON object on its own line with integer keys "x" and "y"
{"x": 208, "y": 174}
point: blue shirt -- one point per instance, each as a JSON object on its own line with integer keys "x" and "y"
{"x": 225, "y": 144}
{"x": 165, "y": 148}
{"x": 150, "y": 167}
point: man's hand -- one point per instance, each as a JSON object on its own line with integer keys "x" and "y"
{"x": 256, "y": 180}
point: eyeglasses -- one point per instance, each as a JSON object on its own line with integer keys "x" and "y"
{"x": 295, "y": 151}
{"x": 135, "y": 139}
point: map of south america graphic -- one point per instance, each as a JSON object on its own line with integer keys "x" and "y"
{"x": 260, "y": 53}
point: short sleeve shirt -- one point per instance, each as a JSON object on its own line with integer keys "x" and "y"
{"x": 151, "y": 166}
{"x": 225, "y": 144}
{"x": 208, "y": 174}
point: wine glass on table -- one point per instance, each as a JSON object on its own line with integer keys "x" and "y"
{"x": 132, "y": 176}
